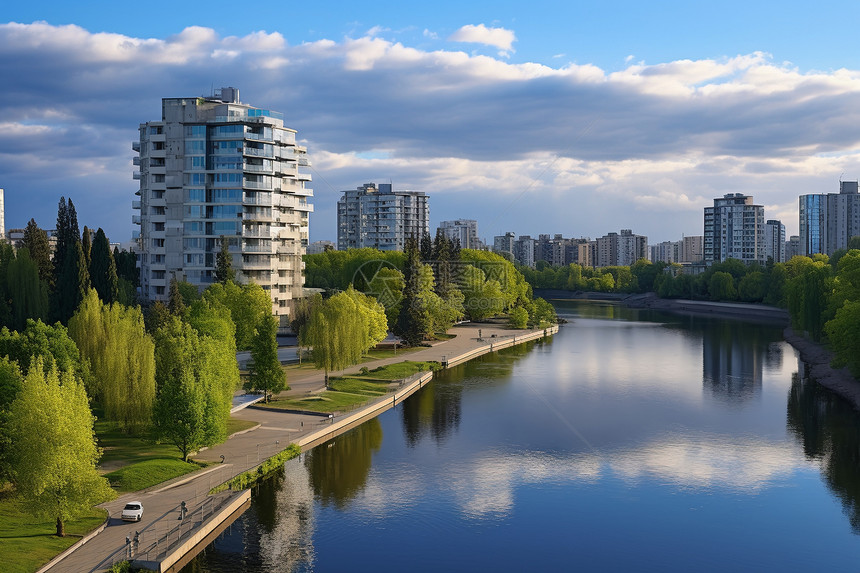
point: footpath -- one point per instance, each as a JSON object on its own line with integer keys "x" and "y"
{"x": 274, "y": 431}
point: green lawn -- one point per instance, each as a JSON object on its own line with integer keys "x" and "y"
{"x": 141, "y": 475}
{"x": 27, "y": 543}
{"x": 235, "y": 425}
{"x": 350, "y": 392}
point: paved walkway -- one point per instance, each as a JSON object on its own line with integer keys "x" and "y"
{"x": 245, "y": 450}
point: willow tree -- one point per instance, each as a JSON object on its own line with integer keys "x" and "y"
{"x": 342, "y": 328}
{"x": 54, "y": 452}
{"x": 248, "y": 304}
{"x": 121, "y": 354}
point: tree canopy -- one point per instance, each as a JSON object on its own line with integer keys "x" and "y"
{"x": 54, "y": 452}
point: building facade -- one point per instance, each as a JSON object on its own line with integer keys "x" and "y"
{"x": 504, "y": 243}
{"x": 828, "y": 221}
{"x": 463, "y": 230}
{"x": 691, "y": 249}
{"x": 524, "y": 251}
{"x": 774, "y": 241}
{"x": 792, "y": 247}
{"x": 214, "y": 167}
{"x": 624, "y": 249}
{"x": 378, "y": 217}
{"x": 734, "y": 228}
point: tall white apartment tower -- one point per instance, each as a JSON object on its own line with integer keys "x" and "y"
{"x": 214, "y": 167}
{"x": 463, "y": 230}
{"x": 734, "y": 228}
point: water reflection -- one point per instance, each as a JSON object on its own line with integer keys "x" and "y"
{"x": 436, "y": 409}
{"x": 339, "y": 468}
{"x": 829, "y": 431}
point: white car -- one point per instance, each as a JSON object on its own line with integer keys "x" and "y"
{"x": 133, "y": 511}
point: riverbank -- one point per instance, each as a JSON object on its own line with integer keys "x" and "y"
{"x": 683, "y": 306}
{"x": 274, "y": 432}
{"x": 818, "y": 360}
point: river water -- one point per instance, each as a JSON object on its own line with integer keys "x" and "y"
{"x": 631, "y": 441}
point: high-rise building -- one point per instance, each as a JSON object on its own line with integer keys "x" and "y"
{"x": 666, "y": 252}
{"x": 828, "y": 221}
{"x": 524, "y": 251}
{"x": 734, "y": 229}
{"x": 774, "y": 241}
{"x": 504, "y": 243}
{"x": 691, "y": 249}
{"x": 376, "y": 216}
{"x": 792, "y": 247}
{"x": 215, "y": 168}
{"x": 623, "y": 249}
{"x": 463, "y": 230}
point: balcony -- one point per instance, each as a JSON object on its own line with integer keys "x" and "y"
{"x": 135, "y": 146}
{"x": 136, "y": 175}
{"x": 135, "y": 204}
{"x": 135, "y": 161}
{"x": 135, "y": 219}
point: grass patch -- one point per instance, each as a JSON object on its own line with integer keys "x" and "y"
{"x": 121, "y": 448}
{"x": 236, "y": 425}
{"x": 355, "y": 390}
{"x": 28, "y": 542}
{"x": 148, "y": 473}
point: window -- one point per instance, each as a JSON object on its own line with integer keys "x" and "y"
{"x": 195, "y": 147}
{"x": 155, "y": 130}
{"x": 195, "y": 195}
{"x": 195, "y": 131}
{"x": 158, "y": 227}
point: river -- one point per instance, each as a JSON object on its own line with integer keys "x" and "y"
{"x": 631, "y": 441}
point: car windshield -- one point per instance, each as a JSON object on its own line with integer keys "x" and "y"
{"x": 132, "y": 506}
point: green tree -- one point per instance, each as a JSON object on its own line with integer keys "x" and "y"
{"x": 175, "y": 300}
{"x": 752, "y": 287}
{"x": 113, "y": 339}
{"x": 300, "y": 318}
{"x": 87, "y": 245}
{"x": 722, "y": 286}
{"x": 248, "y": 304}
{"x": 54, "y": 452}
{"x": 224, "y": 272}
{"x": 156, "y": 316}
{"x": 103, "y": 269}
{"x": 483, "y": 297}
{"x": 340, "y": 333}
{"x": 808, "y": 294}
{"x": 36, "y": 241}
{"x": 7, "y": 255}
{"x": 843, "y": 333}
{"x": 29, "y": 295}
{"x": 518, "y": 317}
{"x": 265, "y": 373}
{"x": 10, "y": 387}
{"x": 180, "y": 408}
{"x": 73, "y": 283}
{"x": 387, "y": 286}
{"x": 414, "y": 320}
{"x": 50, "y": 343}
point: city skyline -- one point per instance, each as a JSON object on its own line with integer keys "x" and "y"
{"x": 579, "y": 123}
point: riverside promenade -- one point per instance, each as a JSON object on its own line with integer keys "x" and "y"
{"x": 274, "y": 431}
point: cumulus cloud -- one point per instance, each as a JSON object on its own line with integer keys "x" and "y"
{"x": 555, "y": 142}
{"x": 497, "y": 37}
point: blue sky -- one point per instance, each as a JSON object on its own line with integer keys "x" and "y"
{"x": 559, "y": 117}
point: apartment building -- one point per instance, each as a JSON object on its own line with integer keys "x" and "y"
{"x": 379, "y": 217}
{"x": 215, "y": 167}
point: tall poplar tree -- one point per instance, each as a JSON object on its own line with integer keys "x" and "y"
{"x": 414, "y": 320}
{"x": 103, "y": 269}
{"x": 87, "y": 245}
{"x": 224, "y": 263}
{"x": 36, "y": 240}
{"x": 265, "y": 373}
{"x": 29, "y": 296}
{"x": 71, "y": 275}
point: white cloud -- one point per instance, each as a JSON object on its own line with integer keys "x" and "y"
{"x": 555, "y": 142}
{"x": 497, "y": 37}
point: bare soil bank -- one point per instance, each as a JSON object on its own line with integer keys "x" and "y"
{"x": 816, "y": 357}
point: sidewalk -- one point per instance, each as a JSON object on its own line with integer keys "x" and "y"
{"x": 242, "y": 451}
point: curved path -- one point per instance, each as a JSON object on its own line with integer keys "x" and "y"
{"x": 245, "y": 450}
